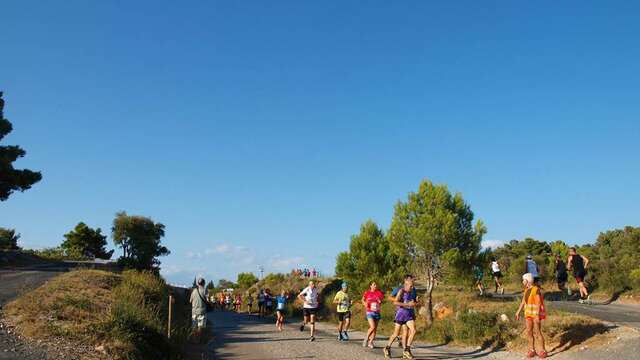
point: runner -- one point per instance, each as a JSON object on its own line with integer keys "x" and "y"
{"x": 198, "y": 302}
{"x": 405, "y": 302}
{"x": 310, "y": 308}
{"x": 260, "y": 302}
{"x": 497, "y": 274}
{"x": 281, "y": 310}
{"x": 392, "y": 299}
{"x": 478, "y": 274}
{"x": 579, "y": 264}
{"x": 531, "y": 267}
{"x": 249, "y": 303}
{"x": 372, "y": 300}
{"x": 344, "y": 314}
{"x": 561, "y": 274}
{"x": 238, "y": 303}
{"x": 534, "y": 313}
{"x": 227, "y": 301}
{"x": 268, "y": 302}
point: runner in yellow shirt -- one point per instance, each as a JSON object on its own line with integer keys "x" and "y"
{"x": 343, "y": 309}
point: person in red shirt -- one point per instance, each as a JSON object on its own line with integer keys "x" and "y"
{"x": 372, "y": 300}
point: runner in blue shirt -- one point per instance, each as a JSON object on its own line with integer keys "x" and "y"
{"x": 281, "y": 310}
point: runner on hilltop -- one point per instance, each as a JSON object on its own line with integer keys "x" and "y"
{"x": 579, "y": 264}
{"x": 310, "y": 308}
{"x": 497, "y": 275}
{"x": 405, "y": 301}
{"x": 281, "y": 310}
{"x": 343, "y": 309}
{"x": 534, "y": 313}
{"x": 372, "y": 300}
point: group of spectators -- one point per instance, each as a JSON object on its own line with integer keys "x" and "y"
{"x": 305, "y": 273}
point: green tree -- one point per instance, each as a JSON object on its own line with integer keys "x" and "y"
{"x": 12, "y": 179}
{"x": 9, "y": 239}
{"x": 369, "y": 259}
{"x": 140, "y": 240}
{"x": 86, "y": 242}
{"x": 434, "y": 230}
{"x": 616, "y": 257}
{"x": 226, "y": 284}
{"x": 246, "y": 280}
{"x": 210, "y": 285}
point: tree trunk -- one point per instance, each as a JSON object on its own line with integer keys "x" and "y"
{"x": 429, "y": 303}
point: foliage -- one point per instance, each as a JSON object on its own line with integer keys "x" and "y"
{"x": 434, "y": 230}
{"x": 226, "y": 284}
{"x": 369, "y": 259}
{"x": 210, "y": 285}
{"x": 86, "y": 242}
{"x": 9, "y": 239}
{"x": 12, "y": 179}
{"x": 246, "y": 280}
{"x": 139, "y": 237}
{"x": 617, "y": 260}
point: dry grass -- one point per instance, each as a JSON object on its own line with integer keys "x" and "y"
{"x": 123, "y": 314}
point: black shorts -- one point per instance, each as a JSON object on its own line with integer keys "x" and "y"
{"x": 309, "y": 311}
{"x": 404, "y": 322}
{"x": 562, "y": 278}
{"x": 260, "y": 304}
{"x": 282, "y": 312}
{"x": 344, "y": 315}
{"x": 497, "y": 274}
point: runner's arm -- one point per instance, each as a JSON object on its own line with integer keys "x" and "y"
{"x": 586, "y": 261}
{"x": 569, "y": 263}
{"x": 521, "y": 305}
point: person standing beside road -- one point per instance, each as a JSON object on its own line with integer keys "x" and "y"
{"x": 249, "y": 303}
{"x": 372, "y": 300}
{"x": 268, "y": 302}
{"x": 531, "y": 267}
{"x": 497, "y": 275}
{"x": 343, "y": 309}
{"x": 198, "y": 302}
{"x": 534, "y": 313}
{"x": 579, "y": 264}
{"x": 309, "y": 296}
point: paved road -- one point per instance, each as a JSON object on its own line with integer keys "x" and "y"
{"x": 621, "y": 314}
{"x": 241, "y": 337}
{"x": 13, "y": 282}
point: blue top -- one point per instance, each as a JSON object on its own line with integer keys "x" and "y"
{"x": 281, "y": 300}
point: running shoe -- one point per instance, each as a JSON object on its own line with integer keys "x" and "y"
{"x": 542, "y": 355}
{"x": 364, "y": 342}
{"x": 371, "y": 346}
{"x": 387, "y": 352}
{"x": 531, "y": 353}
{"x": 406, "y": 354}
{"x": 345, "y": 336}
{"x": 340, "y": 338}
{"x": 301, "y": 327}
{"x": 313, "y": 338}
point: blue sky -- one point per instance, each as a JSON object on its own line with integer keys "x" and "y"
{"x": 265, "y": 133}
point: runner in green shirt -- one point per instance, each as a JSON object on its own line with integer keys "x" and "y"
{"x": 343, "y": 307}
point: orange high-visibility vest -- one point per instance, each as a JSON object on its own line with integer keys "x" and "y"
{"x": 534, "y": 306}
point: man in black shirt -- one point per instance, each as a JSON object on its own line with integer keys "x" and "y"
{"x": 579, "y": 264}
{"x": 561, "y": 273}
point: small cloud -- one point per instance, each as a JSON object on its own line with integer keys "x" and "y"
{"x": 194, "y": 255}
{"x": 493, "y": 244}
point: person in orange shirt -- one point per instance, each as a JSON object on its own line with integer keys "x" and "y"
{"x": 534, "y": 313}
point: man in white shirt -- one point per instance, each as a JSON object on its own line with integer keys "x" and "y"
{"x": 310, "y": 298}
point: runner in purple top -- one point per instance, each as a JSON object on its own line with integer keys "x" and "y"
{"x": 405, "y": 302}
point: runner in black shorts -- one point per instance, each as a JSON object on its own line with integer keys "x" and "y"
{"x": 579, "y": 264}
{"x": 561, "y": 273}
{"x": 310, "y": 298}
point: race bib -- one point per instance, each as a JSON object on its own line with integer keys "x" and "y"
{"x": 374, "y": 306}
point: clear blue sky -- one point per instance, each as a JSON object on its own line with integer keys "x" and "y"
{"x": 266, "y": 132}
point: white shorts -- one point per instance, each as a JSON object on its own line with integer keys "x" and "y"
{"x": 199, "y": 321}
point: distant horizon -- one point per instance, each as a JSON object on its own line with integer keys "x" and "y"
{"x": 267, "y": 133}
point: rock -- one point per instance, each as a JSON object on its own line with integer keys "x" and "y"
{"x": 504, "y": 318}
{"x": 443, "y": 311}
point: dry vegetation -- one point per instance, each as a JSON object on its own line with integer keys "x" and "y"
{"x": 101, "y": 315}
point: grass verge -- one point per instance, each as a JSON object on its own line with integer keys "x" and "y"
{"x": 100, "y": 314}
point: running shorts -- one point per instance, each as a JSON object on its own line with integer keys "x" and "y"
{"x": 374, "y": 315}
{"x": 309, "y": 311}
{"x": 497, "y": 274}
{"x": 344, "y": 315}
